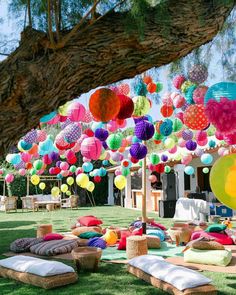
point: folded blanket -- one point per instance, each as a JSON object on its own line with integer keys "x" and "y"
{"x": 24, "y": 244}
{"x": 54, "y": 247}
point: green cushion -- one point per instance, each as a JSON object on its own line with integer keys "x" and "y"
{"x": 211, "y": 257}
{"x": 216, "y": 228}
{"x": 89, "y": 235}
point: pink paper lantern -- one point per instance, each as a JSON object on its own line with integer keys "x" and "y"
{"x": 76, "y": 112}
{"x": 201, "y": 135}
{"x": 26, "y": 157}
{"x": 91, "y": 148}
{"x": 64, "y": 166}
{"x": 186, "y": 159}
{"x": 203, "y": 142}
{"x": 173, "y": 150}
{"x": 181, "y": 142}
{"x": 9, "y": 178}
{"x": 118, "y": 172}
{"x": 112, "y": 126}
{"x": 22, "y": 172}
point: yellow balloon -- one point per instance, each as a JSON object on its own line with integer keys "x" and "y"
{"x": 55, "y": 191}
{"x": 64, "y": 188}
{"x": 120, "y": 181}
{"x": 112, "y": 162}
{"x": 223, "y": 180}
{"x": 70, "y": 180}
{"x": 82, "y": 180}
{"x": 90, "y": 187}
{"x": 42, "y": 185}
{"x": 35, "y": 179}
{"x": 68, "y": 193}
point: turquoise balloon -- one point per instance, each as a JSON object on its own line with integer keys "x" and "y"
{"x": 59, "y": 176}
{"x": 105, "y": 162}
{"x": 25, "y": 145}
{"x": 206, "y": 159}
{"x": 222, "y": 89}
{"x": 87, "y": 167}
{"x": 189, "y": 170}
{"x": 15, "y": 159}
{"x": 102, "y": 172}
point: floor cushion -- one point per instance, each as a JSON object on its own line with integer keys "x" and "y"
{"x": 89, "y": 235}
{"x": 178, "y": 276}
{"x": 211, "y": 257}
{"x": 89, "y": 220}
{"x": 24, "y": 244}
{"x": 55, "y": 247}
{"x": 38, "y": 272}
{"x": 97, "y": 242}
{"x": 153, "y": 242}
{"x": 207, "y": 245}
{"x": 83, "y": 229}
{"x": 160, "y": 226}
{"x": 53, "y": 236}
{"x": 156, "y": 232}
{"x": 223, "y": 239}
{"x": 180, "y": 234}
{"x": 216, "y": 228}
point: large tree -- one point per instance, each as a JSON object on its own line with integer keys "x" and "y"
{"x": 52, "y": 66}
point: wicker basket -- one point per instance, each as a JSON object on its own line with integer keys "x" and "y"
{"x": 136, "y": 246}
{"x": 44, "y": 229}
{"x": 87, "y": 258}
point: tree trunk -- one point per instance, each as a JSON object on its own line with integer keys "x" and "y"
{"x": 35, "y": 80}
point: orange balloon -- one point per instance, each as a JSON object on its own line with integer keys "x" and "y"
{"x": 33, "y": 150}
{"x": 147, "y": 79}
{"x": 167, "y": 111}
{"x": 104, "y": 104}
{"x": 28, "y": 166}
{"x": 151, "y": 87}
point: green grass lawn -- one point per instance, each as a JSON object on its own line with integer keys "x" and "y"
{"x": 110, "y": 278}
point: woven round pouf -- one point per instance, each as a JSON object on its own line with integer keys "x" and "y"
{"x": 86, "y": 258}
{"x": 136, "y": 246}
{"x": 44, "y": 229}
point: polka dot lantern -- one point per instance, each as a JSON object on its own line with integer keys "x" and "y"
{"x": 114, "y": 141}
{"x": 138, "y": 151}
{"x": 144, "y": 130}
{"x": 104, "y": 104}
{"x": 195, "y": 118}
{"x": 126, "y": 107}
{"x": 198, "y": 74}
{"x": 178, "y": 81}
{"x": 91, "y": 148}
{"x": 101, "y": 134}
{"x": 124, "y": 89}
{"x": 199, "y": 94}
{"x": 141, "y": 106}
{"x": 72, "y": 133}
{"x": 31, "y": 136}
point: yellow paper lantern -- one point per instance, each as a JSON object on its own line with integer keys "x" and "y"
{"x": 70, "y": 180}
{"x": 90, "y": 187}
{"x": 169, "y": 143}
{"x": 35, "y": 179}
{"x": 120, "y": 182}
{"x": 64, "y": 188}
{"x": 223, "y": 180}
{"x": 110, "y": 237}
{"x": 42, "y": 185}
{"x": 82, "y": 180}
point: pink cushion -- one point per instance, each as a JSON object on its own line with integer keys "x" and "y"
{"x": 162, "y": 227}
{"x": 223, "y": 239}
{"x": 137, "y": 232}
{"x": 89, "y": 220}
{"x": 52, "y": 236}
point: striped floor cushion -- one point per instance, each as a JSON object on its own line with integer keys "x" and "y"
{"x": 24, "y": 244}
{"x": 54, "y": 247}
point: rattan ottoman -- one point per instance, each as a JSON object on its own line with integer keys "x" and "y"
{"x": 87, "y": 258}
{"x": 136, "y": 246}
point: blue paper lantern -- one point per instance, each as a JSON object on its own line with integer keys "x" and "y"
{"x": 102, "y": 172}
{"x": 219, "y": 90}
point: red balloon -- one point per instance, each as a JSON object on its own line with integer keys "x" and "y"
{"x": 72, "y": 161}
{"x": 28, "y": 165}
{"x": 104, "y": 104}
{"x": 89, "y": 132}
{"x": 97, "y": 179}
{"x": 57, "y": 170}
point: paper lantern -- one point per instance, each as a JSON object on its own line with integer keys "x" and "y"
{"x": 195, "y": 118}
{"x": 114, "y": 141}
{"x": 191, "y": 145}
{"x": 42, "y": 185}
{"x": 82, "y": 180}
{"x": 230, "y": 139}
{"x": 144, "y": 130}
{"x": 198, "y": 74}
{"x": 199, "y": 94}
{"x": 125, "y": 171}
{"x": 167, "y": 169}
{"x": 138, "y": 151}
{"x": 31, "y": 136}
{"x": 126, "y": 107}
{"x": 178, "y": 81}
{"x": 154, "y": 158}
{"x": 152, "y": 178}
{"x": 38, "y": 164}
{"x": 166, "y": 111}
{"x": 187, "y": 134}
{"x": 164, "y": 158}
{"x": 147, "y": 80}
{"x": 223, "y": 179}
{"x": 141, "y": 106}
{"x": 160, "y": 168}
{"x": 101, "y": 134}
{"x": 104, "y": 104}
{"x": 41, "y": 135}
{"x": 200, "y": 135}
{"x": 173, "y": 150}
{"x": 166, "y": 127}
{"x": 212, "y": 143}
{"x": 140, "y": 88}
{"x": 120, "y": 182}
{"x": 35, "y": 179}
{"x": 151, "y": 87}
{"x": 169, "y": 143}
{"x": 87, "y": 167}
{"x": 91, "y": 148}
{"x": 123, "y": 89}
{"x": 206, "y": 159}
{"x": 181, "y": 142}
{"x": 189, "y": 170}
{"x": 159, "y": 87}
{"x": 76, "y": 112}
{"x": 185, "y": 86}
{"x": 205, "y": 170}
{"x": 179, "y": 101}
{"x": 9, "y": 178}
{"x": 72, "y": 133}
{"x": 186, "y": 159}
{"x": 198, "y": 152}
{"x": 90, "y": 186}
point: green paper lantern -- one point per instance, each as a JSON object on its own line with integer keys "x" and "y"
{"x": 158, "y": 136}
{"x": 167, "y": 169}
{"x": 141, "y": 106}
{"x": 114, "y": 141}
{"x": 159, "y": 87}
{"x": 73, "y": 169}
{"x": 154, "y": 159}
{"x": 177, "y": 125}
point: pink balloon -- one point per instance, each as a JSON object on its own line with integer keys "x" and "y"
{"x": 118, "y": 172}
{"x": 9, "y": 178}
{"x": 152, "y": 178}
{"x": 22, "y": 172}
{"x": 65, "y": 173}
{"x": 26, "y": 157}
{"x": 69, "y": 154}
{"x": 79, "y": 170}
{"x": 64, "y": 166}
{"x": 86, "y": 159}
{"x": 40, "y": 172}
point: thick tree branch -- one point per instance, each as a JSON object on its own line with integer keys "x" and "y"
{"x": 35, "y": 80}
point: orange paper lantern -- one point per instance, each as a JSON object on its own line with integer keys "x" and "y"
{"x": 166, "y": 111}
{"x": 147, "y": 80}
{"x": 151, "y": 87}
{"x": 104, "y": 104}
{"x": 33, "y": 150}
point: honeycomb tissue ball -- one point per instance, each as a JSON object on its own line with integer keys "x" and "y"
{"x": 200, "y": 135}
{"x": 199, "y": 94}
{"x": 138, "y": 151}
{"x": 76, "y": 112}
{"x": 189, "y": 94}
{"x": 144, "y": 130}
{"x": 72, "y": 133}
{"x": 91, "y": 148}
{"x": 126, "y": 107}
{"x": 178, "y": 81}
{"x": 198, "y": 74}
{"x": 191, "y": 145}
{"x": 195, "y": 118}
{"x": 114, "y": 141}
{"x": 104, "y": 104}
{"x": 141, "y": 106}
{"x": 187, "y": 134}
{"x": 101, "y": 134}
{"x": 223, "y": 179}
{"x": 178, "y": 101}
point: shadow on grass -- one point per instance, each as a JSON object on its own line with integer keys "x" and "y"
{"x": 15, "y": 224}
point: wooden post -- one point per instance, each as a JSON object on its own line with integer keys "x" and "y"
{"x": 27, "y": 185}
{"x": 4, "y": 188}
{"x": 144, "y": 196}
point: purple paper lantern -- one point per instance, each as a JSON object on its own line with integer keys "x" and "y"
{"x": 138, "y": 151}
{"x": 144, "y": 130}
{"x": 104, "y": 144}
{"x": 140, "y": 119}
{"x": 164, "y": 158}
{"x": 58, "y": 163}
{"x": 199, "y": 152}
{"x": 31, "y": 136}
{"x": 53, "y": 156}
{"x": 101, "y": 134}
{"x": 187, "y": 134}
{"x": 191, "y": 145}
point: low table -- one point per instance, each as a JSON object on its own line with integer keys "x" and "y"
{"x": 50, "y": 205}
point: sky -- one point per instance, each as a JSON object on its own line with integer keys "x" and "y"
{"x": 10, "y": 29}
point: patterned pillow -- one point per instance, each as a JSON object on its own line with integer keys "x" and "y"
{"x": 24, "y": 244}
